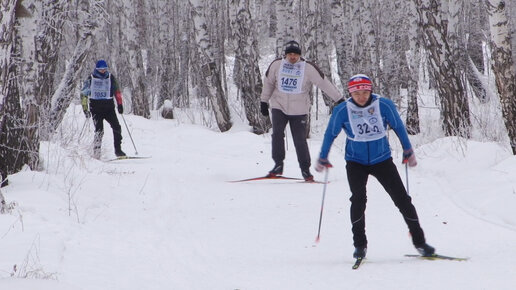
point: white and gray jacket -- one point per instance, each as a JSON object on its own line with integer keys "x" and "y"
{"x": 295, "y": 101}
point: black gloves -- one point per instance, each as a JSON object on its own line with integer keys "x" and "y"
{"x": 87, "y": 114}
{"x": 264, "y": 108}
{"x": 120, "y": 109}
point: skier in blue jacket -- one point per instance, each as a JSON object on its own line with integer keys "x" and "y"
{"x": 365, "y": 117}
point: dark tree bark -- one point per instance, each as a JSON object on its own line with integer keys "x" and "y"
{"x": 443, "y": 55}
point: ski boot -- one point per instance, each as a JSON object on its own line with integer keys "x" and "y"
{"x": 276, "y": 171}
{"x": 425, "y": 250}
{"x": 360, "y": 252}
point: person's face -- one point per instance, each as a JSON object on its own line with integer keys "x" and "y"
{"x": 101, "y": 71}
{"x": 361, "y": 97}
{"x": 293, "y": 57}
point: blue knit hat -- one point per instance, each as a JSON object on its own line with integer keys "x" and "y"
{"x": 101, "y": 64}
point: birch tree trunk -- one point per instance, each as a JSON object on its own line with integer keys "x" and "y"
{"x": 413, "y": 62}
{"x": 286, "y": 25}
{"x": 364, "y": 56}
{"x": 8, "y": 86}
{"x": 341, "y": 36}
{"x": 63, "y": 95}
{"x": 246, "y": 72}
{"x": 210, "y": 82}
{"x": 503, "y": 65}
{"x": 181, "y": 93}
{"x": 320, "y": 41}
{"x": 39, "y": 51}
{"x": 475, "y": 36}
{"x": 7, "y": 18}
{"x": 136, "y": 51}
{"x": 454, "y": 104}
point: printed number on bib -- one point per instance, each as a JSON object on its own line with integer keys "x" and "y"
{"x": 364, "y": 129}
{"x": 288, "y": 82}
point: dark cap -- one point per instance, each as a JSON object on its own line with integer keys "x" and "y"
{"x": 292, "y": 46}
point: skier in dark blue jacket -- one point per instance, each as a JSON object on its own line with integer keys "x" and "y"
{"x": 98, "y": 90}
{"x": 365, "y": 117}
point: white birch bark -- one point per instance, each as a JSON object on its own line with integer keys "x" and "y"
{"x": 370, "y": 61}
{"x": 453, "y": 100}
{"x": 341, "y": 35}
{"x": 7, "y": 18}
{"x": 210, "y": 82}
{"x": 40, "y": 43}
{"x": 63, "y": 95}
{"x": 286, "y": 25}
{"x": 503, "y": 64}
{"x": 246, "y": 73}
{"x": 136, "y": 52}
{"x": 413, "y": 56}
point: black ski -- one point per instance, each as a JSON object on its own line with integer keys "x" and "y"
{"x": 437, "y": 257}
{"x": 267, "y": 177}
{"x": 357, "y": 264}
{"x": 128, "y": 157}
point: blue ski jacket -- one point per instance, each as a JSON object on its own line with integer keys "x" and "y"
{"x": 365, "y": 152}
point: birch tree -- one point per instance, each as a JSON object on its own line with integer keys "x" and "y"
{"x": 184, "y": 46}
{"x": 316, "y": 27}
{"x": 364, "y": 57}
{"x": 63, "y": 95}
{"x": 341, "y": 35}
{"x": 455, "y": 112}
{"x": 286, "y": 24}
{"x": 474, "y": 38}
{"x": 246, "y": 73}
{"x": 209, "y": 78}
{"x": 8, "y": 85}
{"x": 39, "y": 51}
{"x": 136, "y": 37}
{"x": 413, "y": 56}
{"x": 503, "y": 64}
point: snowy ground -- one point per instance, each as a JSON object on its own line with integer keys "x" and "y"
{"x": 174, "y": 222}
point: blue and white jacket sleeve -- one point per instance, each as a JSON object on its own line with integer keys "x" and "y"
{"x": 335, "y": 125}
{"x": 392, "y": 117}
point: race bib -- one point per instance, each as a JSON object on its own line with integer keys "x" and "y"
{"x": 290, "y": 77}
{"x": 366, "y": 123}
{"x": 100, "y": 88}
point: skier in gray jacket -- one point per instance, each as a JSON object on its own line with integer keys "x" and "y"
{"x": 286, "y": 88}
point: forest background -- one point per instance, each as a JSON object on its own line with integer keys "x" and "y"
{"x": 171, "y": 57}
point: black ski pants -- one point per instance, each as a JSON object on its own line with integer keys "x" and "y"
{"x": 299, "y": 132}
{"x": 387, "y": 174}
{"x": 101, "y": 111}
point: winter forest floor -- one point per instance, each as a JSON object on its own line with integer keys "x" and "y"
{"x": 174, "y": 222}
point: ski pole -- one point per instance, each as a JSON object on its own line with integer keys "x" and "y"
{"x": 322, "y": 205}
{"x": 136, "y": 151}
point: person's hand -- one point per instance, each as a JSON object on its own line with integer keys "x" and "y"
{"x": 322, "y": 164}
{"x": 409, "y": 157}
{"x": 120, "y": 109}
{"x": 264, "y": 108}
{"x": 87, "y": 114}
